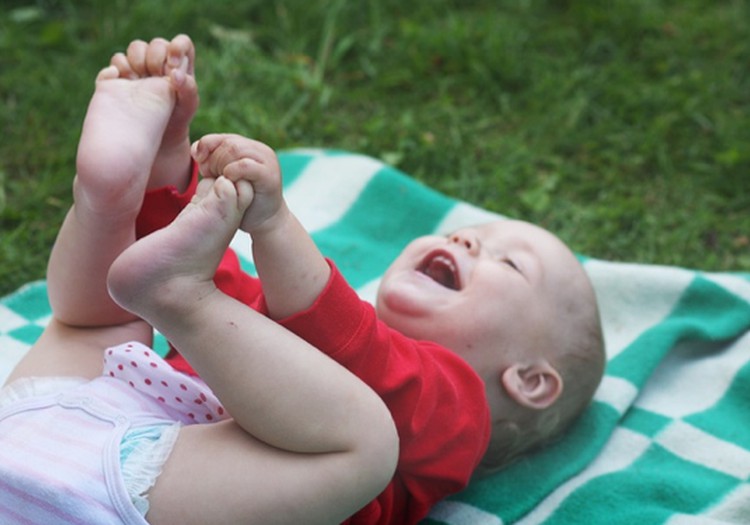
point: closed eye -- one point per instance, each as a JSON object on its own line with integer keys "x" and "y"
{"x": 512, "y": 264}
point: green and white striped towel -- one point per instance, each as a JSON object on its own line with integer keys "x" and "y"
{"x": 667, "y": 439}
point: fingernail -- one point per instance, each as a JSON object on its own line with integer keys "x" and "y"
{"x": 195, "y": 152}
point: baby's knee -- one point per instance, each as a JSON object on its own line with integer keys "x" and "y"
{"x": 379, "y": 452}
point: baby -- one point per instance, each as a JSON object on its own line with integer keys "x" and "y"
{"x": 483, "y": 345}
{"x": 494, "y": 328}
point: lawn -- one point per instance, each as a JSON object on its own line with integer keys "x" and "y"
{"x": 623, "y": 126}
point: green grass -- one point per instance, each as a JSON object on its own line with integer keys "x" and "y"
{"x": 624, "y": 126}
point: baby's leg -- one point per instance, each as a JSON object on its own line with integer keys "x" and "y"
{"x": 121, "y": 134}
{"x": 309, "y": 441}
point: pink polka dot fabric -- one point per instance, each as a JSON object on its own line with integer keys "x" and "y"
{"x": 144, "y": 370}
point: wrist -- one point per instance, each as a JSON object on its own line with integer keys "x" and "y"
{"x": 278, "y": 222}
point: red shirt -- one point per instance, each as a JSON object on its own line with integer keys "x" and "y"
{"x": 436, "y": 399}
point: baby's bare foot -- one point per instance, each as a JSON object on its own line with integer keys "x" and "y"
{"x": 172, "y": 268}
{"x": 124, "y": 124}
{"x": 157, "y": 58}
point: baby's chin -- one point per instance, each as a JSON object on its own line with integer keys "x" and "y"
{"x": 397, "y": 299}
{"x": 390, "y": 310}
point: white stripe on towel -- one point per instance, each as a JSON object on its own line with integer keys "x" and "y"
{"x": 693, "y": 444}
{"x": 457, "y": 513}
{"x": 633, "y": 298}
{"x": 336, "y": 182}
{"x": 617, "y": 392}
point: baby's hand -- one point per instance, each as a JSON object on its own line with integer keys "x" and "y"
{"x": 239, "y": 158}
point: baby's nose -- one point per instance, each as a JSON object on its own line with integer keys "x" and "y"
{"x": 468, "y": 240}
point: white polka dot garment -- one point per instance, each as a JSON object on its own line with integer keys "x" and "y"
{"x": 144, "y": 370}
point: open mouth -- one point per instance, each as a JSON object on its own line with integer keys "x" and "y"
{"x": 441, "y": 268}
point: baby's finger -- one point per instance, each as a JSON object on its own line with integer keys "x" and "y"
{"x": 214, "y": 152}
{"x": 202, "y": 148}
{"x": 248, "y": 155}
{"x": 136, "y": 54}
{"x": 156, "y": 57}
{"x": 203, "y": 152}
{"x": 244, "y": 168}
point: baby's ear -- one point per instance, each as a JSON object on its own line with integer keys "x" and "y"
{"x": 536, "y": 385}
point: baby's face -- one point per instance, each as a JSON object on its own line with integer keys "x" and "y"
{"x": 481, "y": 291}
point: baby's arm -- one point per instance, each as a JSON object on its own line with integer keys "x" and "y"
{"x": 289, "y": 264}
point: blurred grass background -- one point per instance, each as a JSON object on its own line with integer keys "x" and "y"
{"x": 622, "y": 125}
